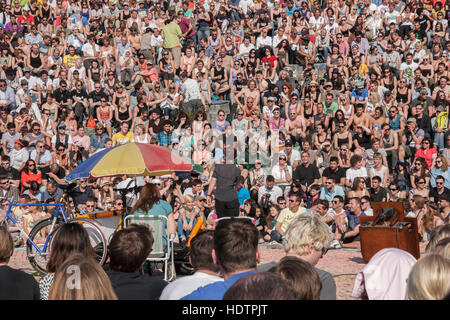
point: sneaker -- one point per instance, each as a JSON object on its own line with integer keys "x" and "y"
{"x": 335, "y": 245}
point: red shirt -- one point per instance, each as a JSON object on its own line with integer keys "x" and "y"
{"x": 28, "y": 177}
{"x": 21, "y": 19}
{"x": 428, "y": 156}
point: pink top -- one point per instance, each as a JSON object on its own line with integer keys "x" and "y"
{"x": 428, "y": 156}
{"x": 384, "y": 277}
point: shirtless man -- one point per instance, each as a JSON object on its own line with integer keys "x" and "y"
{"x": 249, "y": 108}
{"x": 296, "y": 126}
{"x": 292, "y": 105}
{"x": 135, "y": 40}
{"x": 251, "y": 91}
{"x": 359, "y": 118}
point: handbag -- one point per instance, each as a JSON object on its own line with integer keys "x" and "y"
{"x": 91, "y": 122}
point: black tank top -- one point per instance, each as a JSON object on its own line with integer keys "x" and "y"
{"x": 46, "y": 13}
{"x": 35, "y": 62}
{"x": 123, "y": 115}
{"x": 342, "y": 141}
{"x": 402, "y": 97}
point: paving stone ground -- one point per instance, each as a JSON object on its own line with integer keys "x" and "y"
{"x": 344, "y": 264}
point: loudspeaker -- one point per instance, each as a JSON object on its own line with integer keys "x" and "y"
{"x": 388, "y": 228}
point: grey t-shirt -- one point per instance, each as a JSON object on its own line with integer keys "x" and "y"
{"x": 227, "y": 176}
{"x": 328, "y": 291}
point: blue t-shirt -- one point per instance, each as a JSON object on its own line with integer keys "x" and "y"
{"x": 160, "y": 208}
{"x": 243, "y": 195}
{"x": 216, "y": 290}
{"x": 360, "y": 97}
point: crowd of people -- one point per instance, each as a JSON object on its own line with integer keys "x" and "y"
{"x": 284, "y": 107}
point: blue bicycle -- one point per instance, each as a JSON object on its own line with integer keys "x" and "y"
{"x": 39, "y": 240}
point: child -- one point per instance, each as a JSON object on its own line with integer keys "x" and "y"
{"x": 312, "y": 196}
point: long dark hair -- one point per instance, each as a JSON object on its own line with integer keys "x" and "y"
{"x": 27, "y": 170}
{"x": 148, "y": 196}
{"x": 71, "y": 238}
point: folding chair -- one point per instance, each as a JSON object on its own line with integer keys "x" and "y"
{"x": 159, "y": 251}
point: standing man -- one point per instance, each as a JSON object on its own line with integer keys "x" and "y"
{"x": 171, "y": 34}
{"x": 224, "y": 180}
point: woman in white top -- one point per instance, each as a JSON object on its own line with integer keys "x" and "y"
{"x": 282, "y": 172}
{"x": 141, "y": 136}
{"x": 379, "y": 170}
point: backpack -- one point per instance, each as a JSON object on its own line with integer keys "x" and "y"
{"x": 441, "y": 120}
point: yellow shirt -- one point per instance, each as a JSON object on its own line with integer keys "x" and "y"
{"x": 286, "y": 216}
{"x": 119, "y": 138}
{"x": 69, "y": 60}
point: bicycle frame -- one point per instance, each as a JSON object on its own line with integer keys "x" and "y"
{"x": 59, "y": 209}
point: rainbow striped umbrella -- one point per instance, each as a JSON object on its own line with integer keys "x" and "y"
{"x": 131, "y": 159}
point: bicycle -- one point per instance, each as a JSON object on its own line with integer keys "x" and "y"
{"x": 38, "y": 252}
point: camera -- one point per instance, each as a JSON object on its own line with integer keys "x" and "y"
{"x": 266, "y": 201}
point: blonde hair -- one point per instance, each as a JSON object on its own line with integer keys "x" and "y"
{"x": 188, "y": 198}
{"x": 444, "y": 166}
{"x": 437, "y": 234}
{"x": 445, "y": 252}
{"x": 93, "y": 284}
{"x": 303, "y": 230}
{"x": 429, "y": 278}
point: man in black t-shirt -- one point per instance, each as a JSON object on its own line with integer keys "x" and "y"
{"x": 377, "y": 193}
{"x": 307, "y": 173}
{"x": 128, "y": 250}
{"x": 62, "y": 95}
{"x": 9, "y": 172}
{"x": 439, "y": 190}
{"x": 335, "y": 172}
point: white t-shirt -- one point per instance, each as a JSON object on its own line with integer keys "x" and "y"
{"x": 244, "y": 50}
{"x": 295, "y": 155}
{"x": 280, "y": 175}
{"x": 186, "y": 285}
{"x": 351, "y": 173}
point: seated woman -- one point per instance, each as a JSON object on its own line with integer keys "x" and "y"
{"x": 34, "y": 215}
{"x": 359, "y": 189}
{"x": 30, "y": 173}
{"x": 188, "y": 214}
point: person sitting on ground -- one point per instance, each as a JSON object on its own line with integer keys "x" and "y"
{"x": 308, "y": 238}
{"x": 231, "y": 234}
{"x": 128, "y": 251}
{"x": 93, "y": 282}
{"x": 300, "y": 277}
{"x": 286, "y": 216}
{"x": 70, "y": 239}
{"x": 260, "y": 286}
{"x": 206, "y": 271}
{"x": 388, "y": 282}
{"x": 347, "y": 224}
{"x": 14, "y": 284}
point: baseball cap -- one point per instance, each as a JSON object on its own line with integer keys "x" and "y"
{"x": 328, "y": 84}
{"x": 288, "y": 143}
{"x": 388, "y": 93}
{"x": 19, "y": 142}
{"x": 412, "y": 120}
{"x": 272, "y": 99}
{"x": 62, "y": 125}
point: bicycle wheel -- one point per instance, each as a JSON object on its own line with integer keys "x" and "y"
{"x": 38, "y": 235}
{"x": 97, "y": 238}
